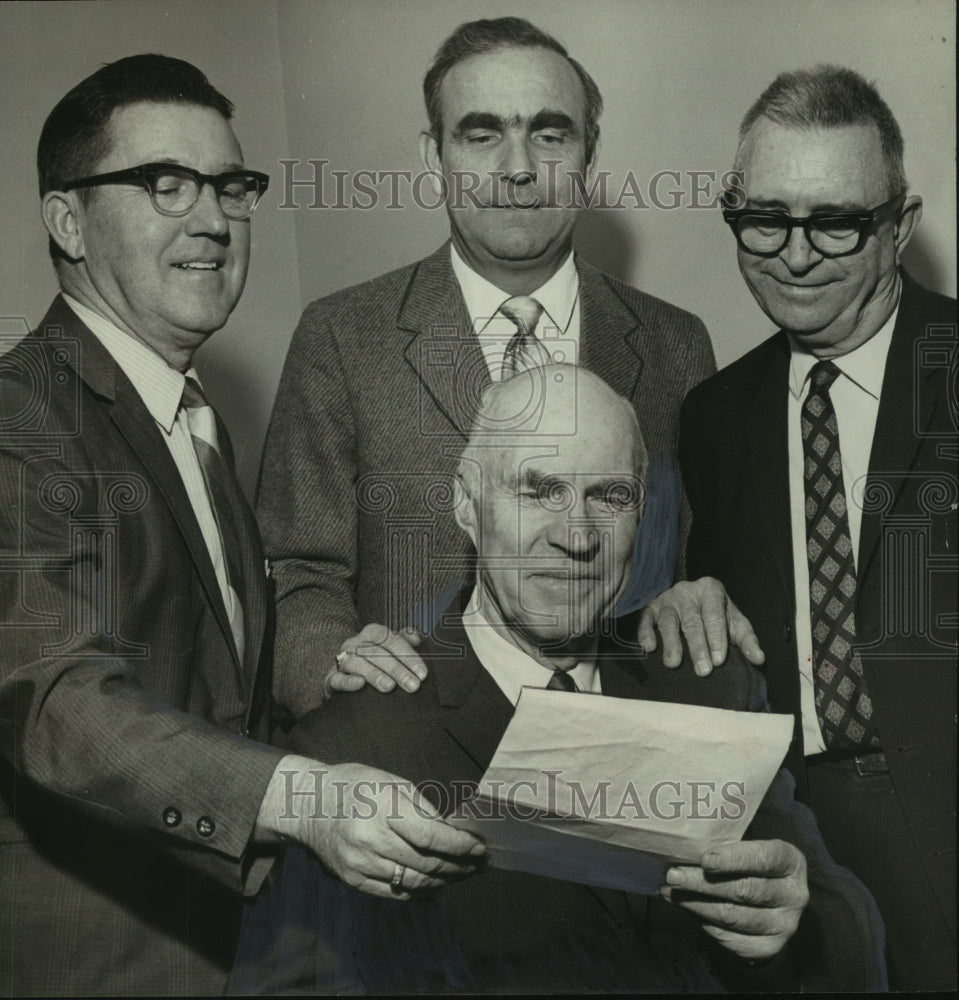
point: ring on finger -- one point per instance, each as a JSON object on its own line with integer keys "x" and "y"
{"x": 396, "y": 882}
{"x": 340, "y": 658}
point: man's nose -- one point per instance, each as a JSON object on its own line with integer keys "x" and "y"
{"x": 799, "y": 254}
{"x": 518, "y": 165}
{"x": 576, "y": 531}
{"x": 206, "y": 216}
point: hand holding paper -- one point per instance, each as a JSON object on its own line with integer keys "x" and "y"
{"x": 749, "y": 895}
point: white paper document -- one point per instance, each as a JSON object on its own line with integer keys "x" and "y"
{"x": 611, "y": 791}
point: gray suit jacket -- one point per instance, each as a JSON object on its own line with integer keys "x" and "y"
{"x": 128, "y": 791}
{"x": 377, "y": 396}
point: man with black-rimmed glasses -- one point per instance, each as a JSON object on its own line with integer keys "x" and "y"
{"x": 136, "y": 804}
{"x": 821, "y": 469}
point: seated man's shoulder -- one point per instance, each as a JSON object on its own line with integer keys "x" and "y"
{"x": 357, "y": 725}
{"x": 735, "y": 685}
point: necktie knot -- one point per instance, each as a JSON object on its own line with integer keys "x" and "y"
{"x": 524, "y": 352}
{"x": 561, "y": 681}
{"x": 193, "y": 397}
{"x": 823, "y": 374}
{"x": 524, "y": 311}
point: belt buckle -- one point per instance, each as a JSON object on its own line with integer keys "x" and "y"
{"x": 870, "y": 763}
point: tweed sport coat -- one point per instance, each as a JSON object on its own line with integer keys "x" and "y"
{"x": 506, "y": 931}
{"x": 128, "y": 788}
{"x": 734, "y": 455}
{"x": 376, "y": 399}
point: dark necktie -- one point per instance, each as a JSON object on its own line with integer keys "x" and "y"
{"x": 524, "y": 351}
{"x": 561, "y": 681}
{"x": 842, "y": 702}
{"x": 222, "y": 490}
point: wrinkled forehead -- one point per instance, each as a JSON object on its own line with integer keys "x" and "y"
{"x": 513, "y": 82}
{"x": 836, "y": 166}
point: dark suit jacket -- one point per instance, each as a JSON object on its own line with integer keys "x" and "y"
{"x": 376, "y": 400}
{"x": 733, "y": 450}
{"x": 128, "y": 791}
{"x": 504, "y": 930}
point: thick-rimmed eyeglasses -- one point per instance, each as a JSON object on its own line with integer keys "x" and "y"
{"x": 832, "y": 234}
{"x": 174, "y": 189}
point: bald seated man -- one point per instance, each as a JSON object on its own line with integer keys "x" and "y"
{"x": 549, "y": 492}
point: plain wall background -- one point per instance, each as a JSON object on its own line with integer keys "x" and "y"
{"x": 340, "y": 80}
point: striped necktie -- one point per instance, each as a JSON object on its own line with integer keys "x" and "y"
{"x": 223, "y": 492}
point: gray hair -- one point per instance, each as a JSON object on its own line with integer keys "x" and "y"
{"x": 829, "y": 96}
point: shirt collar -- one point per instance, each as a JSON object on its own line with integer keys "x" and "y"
{"x": 865, "y": 366}
{"x": 557, "y": 296}
{"x": 509, "y": 666}
{"x": 158, "y": 385}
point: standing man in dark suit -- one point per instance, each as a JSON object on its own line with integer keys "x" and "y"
{"x": 136, "y": 806}
{"x": 550, "y": 498}
{"x": 382, "y": 380}
{"x": 821, "y": 469}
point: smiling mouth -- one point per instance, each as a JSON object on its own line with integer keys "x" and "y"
{"x": 199, "y": 265}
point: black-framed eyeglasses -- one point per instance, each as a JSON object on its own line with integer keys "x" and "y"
{"x": 832, "y": 234}
{"x": 174, "y": 189}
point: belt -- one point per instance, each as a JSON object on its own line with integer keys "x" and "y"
{"x": 863, "y": 764}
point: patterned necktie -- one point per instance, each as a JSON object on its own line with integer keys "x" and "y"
{"x": 842, "y": 702}
{"x": 523, "y": 351}
{"x": 561, "y": 681}
{"x": 222, "y": 490}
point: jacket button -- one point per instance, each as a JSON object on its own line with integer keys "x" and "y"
{"x": 787, "y": 632}
{"x": 205, "y": 826}
{"x": 171, "y": 816}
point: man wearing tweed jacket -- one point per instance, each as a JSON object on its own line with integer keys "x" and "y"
{"x": 382, "y": 380}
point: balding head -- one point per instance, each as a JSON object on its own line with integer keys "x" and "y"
{"x": 551, "y": 491}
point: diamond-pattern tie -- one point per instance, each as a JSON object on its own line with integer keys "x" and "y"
{"x": 561, "y": 681}
{"x": 842, "y": 701}
{"x": 221, "y": 488}
{"x": 524, "y": 351}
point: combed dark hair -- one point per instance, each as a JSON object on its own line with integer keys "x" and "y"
{"x": 478, "y": 37}
{"x": 829, "y": 96}
{"x": 76, "y": 136}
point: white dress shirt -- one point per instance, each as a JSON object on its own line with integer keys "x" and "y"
{"x": 161, "y": 389}
{"x": 509, "y": 666}
{"x": 558, "y": 326}
{"x": 855, "y": 398}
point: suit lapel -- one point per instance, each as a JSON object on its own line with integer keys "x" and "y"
{"x": 769, "y": 460}
{"x": 444, "y": 352}
{"x": 474, "y": 711}
{"x": 254, "y": 595}
{"x": 906, "y": 410}
{"x": 610, "y": 333}
{"x": 132, "y": 420}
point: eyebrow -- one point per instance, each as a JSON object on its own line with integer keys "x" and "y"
{"x": 478, "y": 119}
{"x": 552, "y": 119}
{"x": 533, "y": 478}
{"x": 826, "y": 208}
{"x": 488, "y": 120}
{"x": 226, "y": 168}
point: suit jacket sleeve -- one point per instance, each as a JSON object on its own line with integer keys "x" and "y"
{"x": 102, "y": 718}
{"x": 307, "y": 510}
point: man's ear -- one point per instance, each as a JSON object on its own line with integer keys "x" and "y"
{"x": 432, "y": 161}
{"x": 908, "y": 222}
{"x": 61, "y": 214}
{"x": 594, "y": 159}
{"x": 464, "y": 509}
